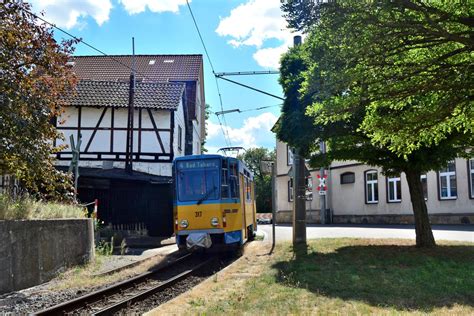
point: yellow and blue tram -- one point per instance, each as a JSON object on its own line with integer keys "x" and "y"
{"x": 214, "y": 202}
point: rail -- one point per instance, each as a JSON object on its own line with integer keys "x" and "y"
{"x": 87, "y": 301}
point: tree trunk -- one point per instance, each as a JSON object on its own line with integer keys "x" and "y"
{"x": 424, "y": 235}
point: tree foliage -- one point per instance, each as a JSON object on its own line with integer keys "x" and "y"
{"x": 390, "y": 84}
{"x": 34, "y": 76}
{"x": 263, "y": 182}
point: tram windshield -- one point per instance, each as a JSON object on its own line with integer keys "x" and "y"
{"x": 198, "y": 180}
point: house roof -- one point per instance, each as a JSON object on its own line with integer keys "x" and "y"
{"x": 115, "y": 94}
{"x": 161, "y": 68}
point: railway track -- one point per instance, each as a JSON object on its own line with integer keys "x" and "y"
{"x": 121, "y": 296}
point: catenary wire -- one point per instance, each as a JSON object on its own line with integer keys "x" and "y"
{"x": 80, "y": 40}
{"x": 224, "y": 131}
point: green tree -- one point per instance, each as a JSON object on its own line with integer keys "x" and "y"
{"x": 390, "y": 84}
{"x": 34, "y": 76}
{"x": 263, "y": 182}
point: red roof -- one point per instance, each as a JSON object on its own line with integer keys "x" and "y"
{"x": 156, "y": 68}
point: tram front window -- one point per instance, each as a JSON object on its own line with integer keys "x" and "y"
{"x": 198, "y": 180}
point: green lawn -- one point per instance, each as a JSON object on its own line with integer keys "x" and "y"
{"x": 358, "y": 276}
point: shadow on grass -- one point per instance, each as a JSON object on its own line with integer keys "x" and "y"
{"x": 400, "y": 277}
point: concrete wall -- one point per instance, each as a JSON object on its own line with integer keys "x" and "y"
{"x": 33, "y": 252}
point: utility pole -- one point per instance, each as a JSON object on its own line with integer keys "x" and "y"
{"x": 131, "y": 95}
{"x": 322, "y": 197}
{"x": 274, "y": 204}
{"x": 299, "y": 204}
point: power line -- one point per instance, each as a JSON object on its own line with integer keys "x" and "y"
{"x": 80, "y": 40}
{"x": 224, "y": 131}
{"x": 246, "y": 110}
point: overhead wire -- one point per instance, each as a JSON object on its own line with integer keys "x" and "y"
{"x": 224, "y": 131}
{"x": 80, "y": 40}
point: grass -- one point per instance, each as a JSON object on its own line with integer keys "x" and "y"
{"x": 28, "y": 208}
{"x": 355, "y": 276}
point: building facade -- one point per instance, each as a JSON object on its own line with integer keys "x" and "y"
{"x": 358, "y": 193}
{"x": 168, "y": 122}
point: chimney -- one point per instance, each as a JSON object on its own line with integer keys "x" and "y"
{"x": 297, "y": 40}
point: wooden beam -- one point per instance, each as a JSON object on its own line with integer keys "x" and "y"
{"x": 95, "y": 130}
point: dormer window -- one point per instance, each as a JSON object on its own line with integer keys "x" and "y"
{"x": 70, "y": 63}
{"x": 151, "y": 62}
{"x": 168, "y": 61}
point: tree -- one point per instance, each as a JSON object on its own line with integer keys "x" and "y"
{"x": 390, "y": 84}
{"x": 34, "y": 76}
{"x": 263, "y": 182}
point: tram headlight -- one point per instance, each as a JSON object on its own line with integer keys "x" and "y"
{"x": 214, "y": 221}
{"x": 184, "y": 223}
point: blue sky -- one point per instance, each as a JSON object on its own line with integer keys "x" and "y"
{"x": 240, "y": 35}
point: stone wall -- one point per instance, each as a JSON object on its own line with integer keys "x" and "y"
{"x": 435, "y": 219}
{"x": 312, "y": 217}
{"x": 33, "y": 252}
{"x": 286, "y": 217}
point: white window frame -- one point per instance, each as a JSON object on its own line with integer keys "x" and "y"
{"x": 470, "y": 176}
{"x": 289, "y": 156}
{"x": 447, "y": 174}
{"x": 424, "y": 176}
{"x": 291, "y": 191}
{"x": 373, "y": 184}
{"x": 394, "y": 180}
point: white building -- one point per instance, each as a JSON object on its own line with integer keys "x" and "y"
{"x": 169, "y": 121}
{"x": 357, "y": 193}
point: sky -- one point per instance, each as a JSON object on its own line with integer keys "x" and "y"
{"x": 240, "y": 35}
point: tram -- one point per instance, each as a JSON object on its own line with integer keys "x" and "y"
{"x": 214, "y": 202}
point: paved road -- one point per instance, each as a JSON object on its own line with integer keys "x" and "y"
{"x": 441, "y": 232}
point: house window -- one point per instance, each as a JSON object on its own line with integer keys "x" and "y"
{"x": 394, "y": 189}
{"x": 180, "y": 138}
{"x": 424, "y": 184}
{"x": 309, "y": 188}
{"x": 290, "y": 190}
{"x": 371, "y": 187}
{"x": 347, "y": 177}
{"x": 471, "y": 178}
{"x": 289, "y": 156}
{"x": 447, "y": 182}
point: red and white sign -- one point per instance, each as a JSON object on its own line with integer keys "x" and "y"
{"x": 322, "y": 184}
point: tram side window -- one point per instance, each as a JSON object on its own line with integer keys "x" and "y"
{"x": 234, "y": 180}
{"x": 225, "y": 180}
{"x": 248, "y": 188}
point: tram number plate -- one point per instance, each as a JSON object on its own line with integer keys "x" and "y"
{"x": 198, "y": 214}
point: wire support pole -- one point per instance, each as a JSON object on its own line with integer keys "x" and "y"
{"x": 252, "y": 88}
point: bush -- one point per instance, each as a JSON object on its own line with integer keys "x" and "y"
{"x": 28, "y": 208}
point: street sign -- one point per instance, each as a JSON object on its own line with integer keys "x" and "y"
{"x": 322, "y": 184}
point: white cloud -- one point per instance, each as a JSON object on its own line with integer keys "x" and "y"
{"x": 137, "y": 6}
{"x": 253, "y": 24}
{"x": 254, "y": 132}
{"x": 69, "y": 13}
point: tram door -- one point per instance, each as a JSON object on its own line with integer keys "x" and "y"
{"x": 243, "y": 193}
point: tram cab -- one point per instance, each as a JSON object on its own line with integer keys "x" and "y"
{"x": 214, "y": 202}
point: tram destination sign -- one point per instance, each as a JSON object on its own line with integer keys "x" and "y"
{"x": 198, "y": 164}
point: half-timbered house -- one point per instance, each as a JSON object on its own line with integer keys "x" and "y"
{"x": 168, "y": 121}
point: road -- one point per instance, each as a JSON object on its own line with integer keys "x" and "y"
{"x": 441, "y": 232}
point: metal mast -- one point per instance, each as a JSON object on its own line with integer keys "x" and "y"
{"x": 129, "y": 152}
